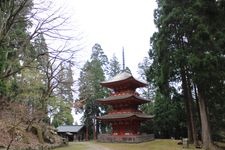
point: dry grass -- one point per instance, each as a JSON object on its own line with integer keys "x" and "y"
{"x": 152, "y": 145}
{"x": 220, "y": 144}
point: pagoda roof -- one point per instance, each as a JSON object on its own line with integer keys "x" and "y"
{"x": 124, "y": 116}
{"x": 121, "y": 79}
{"x": 123, "y": 98}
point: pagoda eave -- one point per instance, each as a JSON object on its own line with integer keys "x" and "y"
{"x": 134, "y": 99}
{"x": 132, "y": 81}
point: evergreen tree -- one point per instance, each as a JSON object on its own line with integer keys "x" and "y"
{"x": 98, "y": 54}
{"x": 90, "y": 89}
{"x": 14, "y": 40}
{"x": 41, "y": 52}
{"x": 65, "y": 91}
{"x": 62, "y": 113}
{"x": 149, "y": 91}
{"x": 114, "y": 67}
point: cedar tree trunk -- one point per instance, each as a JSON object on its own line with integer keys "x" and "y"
{"x": 206, "y": 132}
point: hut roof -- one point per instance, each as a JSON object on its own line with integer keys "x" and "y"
{"x": 70, "y": 128}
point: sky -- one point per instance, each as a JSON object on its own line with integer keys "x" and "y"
{"x": 113, "y": 24}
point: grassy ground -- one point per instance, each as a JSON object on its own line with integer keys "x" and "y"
{"x": 152, "y": 145}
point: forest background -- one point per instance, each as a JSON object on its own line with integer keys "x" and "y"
{"x": 184, "y": 69}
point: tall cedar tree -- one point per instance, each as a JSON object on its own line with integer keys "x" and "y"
{"x": 89, "y": 87}
{"x": 187, "y": 48}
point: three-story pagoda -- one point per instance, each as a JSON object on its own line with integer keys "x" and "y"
{"x": 124, "y": 116}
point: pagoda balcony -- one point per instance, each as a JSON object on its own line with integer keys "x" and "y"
{"x": 127, "y": 92}
{"x": 129, "y": 110}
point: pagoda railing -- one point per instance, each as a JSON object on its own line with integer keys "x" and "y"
{"x": 125, "y": 138}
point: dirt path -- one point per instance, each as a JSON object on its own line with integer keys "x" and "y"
{"x": 84, "y": 146}
{"x": 94, "y": 146}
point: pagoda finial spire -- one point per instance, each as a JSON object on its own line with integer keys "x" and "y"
{"x": 123, "y": 59}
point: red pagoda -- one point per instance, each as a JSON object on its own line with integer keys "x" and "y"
{"x": 124, "y": 116}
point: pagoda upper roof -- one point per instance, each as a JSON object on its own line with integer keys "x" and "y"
{"x": 123, "y": 98}
{"x": 125, "y": 116}
{"x": 123, "y": 78}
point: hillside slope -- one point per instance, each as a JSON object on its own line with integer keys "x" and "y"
{"x": 21, "y": 129}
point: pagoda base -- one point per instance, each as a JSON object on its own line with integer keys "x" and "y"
{"x": 125, "y": 138}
